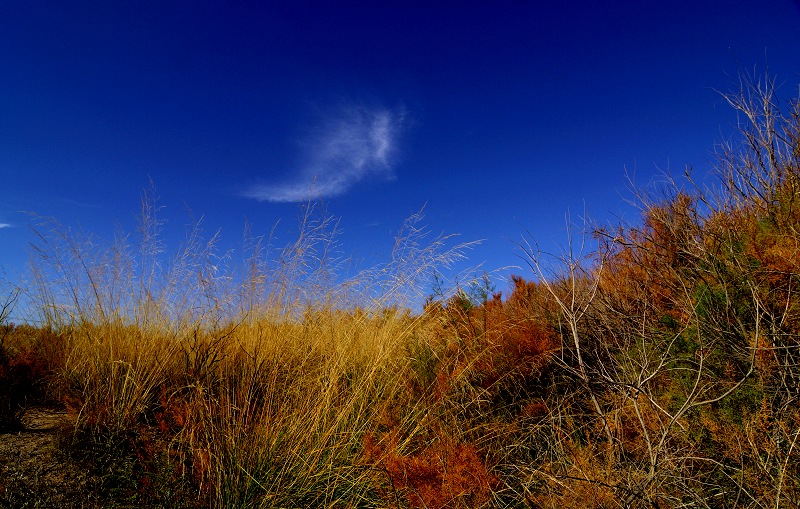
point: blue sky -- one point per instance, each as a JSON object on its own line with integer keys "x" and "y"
{"x": 498, "y": 117}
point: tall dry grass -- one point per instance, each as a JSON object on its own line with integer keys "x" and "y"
{"x": 256, "y": 380}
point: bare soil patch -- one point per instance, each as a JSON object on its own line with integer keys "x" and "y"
{"x": 32, "y": 472}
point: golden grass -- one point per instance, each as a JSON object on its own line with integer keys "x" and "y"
{"x": 262, "y": 380}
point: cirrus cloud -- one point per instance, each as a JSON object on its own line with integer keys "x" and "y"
{"x": 347, "y": 148}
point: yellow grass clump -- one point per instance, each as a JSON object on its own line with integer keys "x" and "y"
{"x": 258, "y": 383}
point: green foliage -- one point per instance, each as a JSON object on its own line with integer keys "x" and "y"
{"x": 129, "y": 471}
{"x": 424, "y": 362}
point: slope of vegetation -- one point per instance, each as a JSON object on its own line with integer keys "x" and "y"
{"x": 659, "y": 369}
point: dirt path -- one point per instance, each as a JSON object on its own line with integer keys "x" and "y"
{"x": 31, "y": 472}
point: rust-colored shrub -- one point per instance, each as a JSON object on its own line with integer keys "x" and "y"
{"x": 442, "y": 474}
{"x": 496, "y": 345}
{"x": 29, "y": 356}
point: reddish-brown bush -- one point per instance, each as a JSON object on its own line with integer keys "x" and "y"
{"x": 441, "y": 474}
{"x": 29, "y": 356}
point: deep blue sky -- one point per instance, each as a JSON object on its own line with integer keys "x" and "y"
{"x": 500, "y": 116}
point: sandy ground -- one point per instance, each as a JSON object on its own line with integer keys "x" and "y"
{"x": 31, "y": 472}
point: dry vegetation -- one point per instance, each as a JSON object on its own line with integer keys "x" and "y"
{"x": 659, "y": 369}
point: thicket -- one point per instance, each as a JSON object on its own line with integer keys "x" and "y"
{"x": 660, "y": 368}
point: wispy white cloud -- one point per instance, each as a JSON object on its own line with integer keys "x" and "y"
{"x": 6, "y": 225}
{"x": 346, "y": 148}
